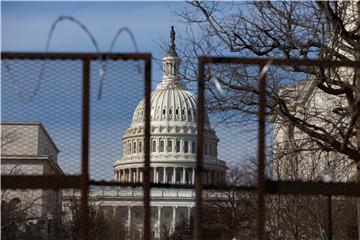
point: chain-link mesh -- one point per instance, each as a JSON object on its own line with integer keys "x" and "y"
{"x": 241, "y": 188}
{"x": 44, "y": 145}
{"x": 300, "y": 184}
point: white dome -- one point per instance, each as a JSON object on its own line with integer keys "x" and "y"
{"x": 173, "y": 120}
{"x": 171, "y": 103}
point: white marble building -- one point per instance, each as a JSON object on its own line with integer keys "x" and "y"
{"x": 173, "y": 156}
{"x": 27, "y": 149}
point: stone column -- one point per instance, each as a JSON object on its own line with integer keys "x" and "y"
{"x": 189, "y": 214}
{"x": 193, "y": 176}
{"x": 164, "y": 175}
{"x": 173, "y": 223}
{"x": 155, "y": 174}
{"x": 137, "y": 175}
{"x": 114, "y": 211}
{"x": 174, "y": 175}
{"x": 184, "y": 176}
{"x": 159, "y": 222}
{"x": 141, "y": 175}
{"x": 129, "y": 219}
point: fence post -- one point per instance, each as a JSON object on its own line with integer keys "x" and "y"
{"x": 261, "y": 158}
{"x": 199, "y": 151}
{"x": 84, "y": 208}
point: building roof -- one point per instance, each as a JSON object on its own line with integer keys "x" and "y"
{"x": 28, "y": 123}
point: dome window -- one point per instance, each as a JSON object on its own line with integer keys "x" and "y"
{"x": 177, "y": 111}
{"x": 186, "y": 147}
{"x": 134, "y": 144}
{"x": 153, "y": 146}
{"x": 140, "y": 146}
{"x": 164, "y": 111}
{"x": 170, "y": 112}
{"x": 193, "y": 147}
{"x": 169, "y": 146}
{"x": 161, "y": 147}
{"x": 206, "y": 149}
{"x": 177, "y": 146}
{"x": 183, "y": 112}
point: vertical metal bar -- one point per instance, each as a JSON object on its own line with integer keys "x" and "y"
{"x": 146, "y": 172}
{"x": 261, "y": 159}
{"x": 329, "y": 218}
{"x": 199, "y": 151}
{"x": 84, "y": 209}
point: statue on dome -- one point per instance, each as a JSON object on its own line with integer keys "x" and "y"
{"x": 172, "y": 51}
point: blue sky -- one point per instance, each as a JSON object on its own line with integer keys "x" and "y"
{"x": 25, "y": 26}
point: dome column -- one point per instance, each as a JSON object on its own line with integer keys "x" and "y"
{"x": 137, "y": 175}
{"x": 159, "y": 221}
{"x": 164, "y": 175}
{"x": 189, "y": 214}
{"x": 174, "y": 175}
{"x": 141, "y": 175}
{"x": 193, "y": 176}
{"x": 155, "y": 175}
{"x": 184, "y": 176}
{"x": 129, "y": 220}
{"x": 173, "y": 222}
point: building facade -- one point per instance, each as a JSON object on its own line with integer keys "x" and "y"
{"x": 27, "y": 149}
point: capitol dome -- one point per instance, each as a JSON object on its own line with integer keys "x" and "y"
{"x": 173, "y": 134}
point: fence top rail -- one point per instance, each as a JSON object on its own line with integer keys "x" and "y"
{"x": 279, "y": 62}
{"x": 75, "y": 56}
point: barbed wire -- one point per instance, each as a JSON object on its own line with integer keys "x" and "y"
{"x": 26, "y": 99}
{"x": 102, "y": 71}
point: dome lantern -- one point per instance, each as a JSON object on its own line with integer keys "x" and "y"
{"x": 171, "y": 62}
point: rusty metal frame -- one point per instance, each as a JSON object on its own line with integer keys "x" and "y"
{"x": 264, "y": 186}
{"x": 82, "y": 181}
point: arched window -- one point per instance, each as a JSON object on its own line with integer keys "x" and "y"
{"x": 153, "y": 147}
{"x": 140, "y": 146}
{"x": 186, "y": 146}
{"x": 193, "y": 147}
{"x": 161, "y": 147}
{"x": 130, "y": 152}
{"x": 206, "y": 149}
{"x": 177, "y": 146}
{"x": 134, "y": 147}
{"x": 169, "y": 146}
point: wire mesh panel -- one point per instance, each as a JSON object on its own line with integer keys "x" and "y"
{"x": 51, "y": 145}
{"x": 260, "y": 158}
{"x": 300, "y": 148}
{"x": 48, "y": 93}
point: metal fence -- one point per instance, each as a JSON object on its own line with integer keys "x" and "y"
{"x": 264, "y": 187}
{"x": 82, "y": 63}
